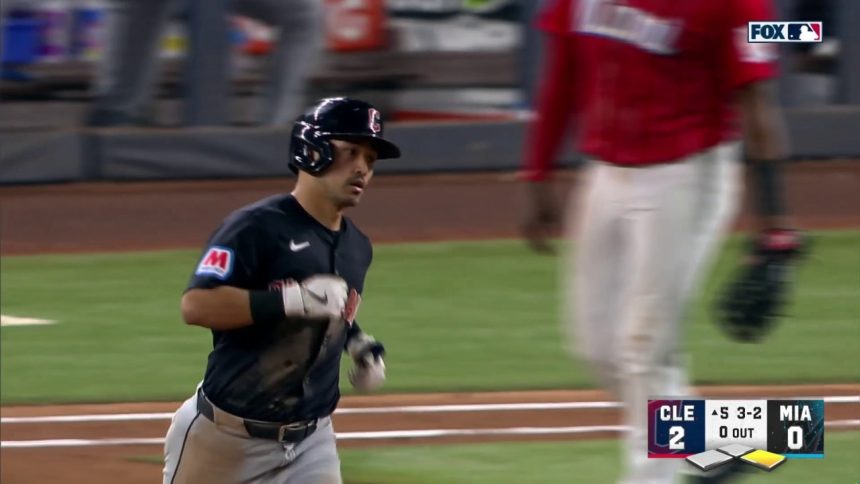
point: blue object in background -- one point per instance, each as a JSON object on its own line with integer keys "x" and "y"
{"x": 87, "y": 32}
{"x": 20, "y": 40}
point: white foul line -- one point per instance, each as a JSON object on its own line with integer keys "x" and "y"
{"x": 374, "y": 435}
{"x": 39, "y": 444}
{"x": 104, "y": 417}
{"x": 842, "y": 423}
{"x": 6, "y": 320}
{"x": 479, "y": 407}
{"x": 475, "y": 407}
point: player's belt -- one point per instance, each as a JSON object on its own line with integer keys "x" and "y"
{"x": 292, "y": 432}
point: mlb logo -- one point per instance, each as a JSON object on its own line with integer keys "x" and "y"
{"x": 761, "y": 32}
{"x": 218, "y": 262}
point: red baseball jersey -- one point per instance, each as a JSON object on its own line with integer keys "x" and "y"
{"x": 644, "y": 81}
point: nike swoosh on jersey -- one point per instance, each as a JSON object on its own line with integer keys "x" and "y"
{"x": 297, "y": 247}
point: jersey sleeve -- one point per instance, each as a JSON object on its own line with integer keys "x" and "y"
{"x": 554, "y": 17}
{"x": 232, "y": 255}
{"x": 556, "y": 104}
{"x": 744, "y": 62}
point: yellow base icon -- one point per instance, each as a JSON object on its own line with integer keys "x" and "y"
{"x": 763, "y": 459}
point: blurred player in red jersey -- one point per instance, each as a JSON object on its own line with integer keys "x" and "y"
{"x": 656, "y": 92}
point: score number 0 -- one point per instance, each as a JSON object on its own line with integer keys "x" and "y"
{"x": 795, "y": 437}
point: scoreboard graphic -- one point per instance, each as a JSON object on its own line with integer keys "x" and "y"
{"x": 710, "y": 433}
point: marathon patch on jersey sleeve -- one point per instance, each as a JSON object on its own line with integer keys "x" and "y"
{"x": 217, "y": 262}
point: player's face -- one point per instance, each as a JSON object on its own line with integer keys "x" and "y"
{"x": 350, "y": 174}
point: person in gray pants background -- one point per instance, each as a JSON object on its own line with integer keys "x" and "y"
{"x": 126, "y": 77}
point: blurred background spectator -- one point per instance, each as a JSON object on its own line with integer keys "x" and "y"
{"x": 127, "y": 74}
{"x": 251, "y": 62}
{"x": 823, "y": 11}
{"x": 812, "y": 68}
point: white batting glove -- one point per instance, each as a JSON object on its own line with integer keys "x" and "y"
{"x": 322, "y": 296}
{"x": 368, "y": 371}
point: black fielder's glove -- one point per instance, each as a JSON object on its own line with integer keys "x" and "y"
{"x": 752, "y": 302}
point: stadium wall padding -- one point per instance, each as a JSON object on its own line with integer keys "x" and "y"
{"x": 154, "y": 154}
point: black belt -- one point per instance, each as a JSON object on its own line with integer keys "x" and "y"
{"x": 293, "y": 432}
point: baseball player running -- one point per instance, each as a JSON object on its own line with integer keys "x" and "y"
{"x": 279, "y": 285}
{"x": 652, "y": 89}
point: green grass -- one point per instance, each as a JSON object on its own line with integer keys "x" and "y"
{"x": 592, "y": 462}
{"x": 454, "y": 316}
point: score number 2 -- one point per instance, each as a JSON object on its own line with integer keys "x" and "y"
{"x": 676, "y": 442}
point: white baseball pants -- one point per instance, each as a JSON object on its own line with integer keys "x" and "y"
{"x": 644, "y": 237}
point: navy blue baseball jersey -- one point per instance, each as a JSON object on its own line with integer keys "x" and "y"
{"x": 286, "y": 371}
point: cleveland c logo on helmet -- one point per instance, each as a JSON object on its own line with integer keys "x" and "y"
{"x": 375, "y": 120}
{"x": 335, "y": 118}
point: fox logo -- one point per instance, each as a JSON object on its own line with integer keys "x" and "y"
{"x": 784, "y": 32}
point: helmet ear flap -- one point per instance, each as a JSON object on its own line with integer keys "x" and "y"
{"x": 306, "y": 141}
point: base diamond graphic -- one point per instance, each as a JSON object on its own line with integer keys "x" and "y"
{"x": 709, "y": 459}
{"x": 735, "y": 450}
{"x": 763, "y": 459}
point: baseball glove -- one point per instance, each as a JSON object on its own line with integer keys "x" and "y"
{"x": 752, "y": 302}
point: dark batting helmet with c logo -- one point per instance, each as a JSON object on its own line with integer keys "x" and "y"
{"x": 335, "y": 118}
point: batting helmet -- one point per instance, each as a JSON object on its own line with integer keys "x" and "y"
{"x": 337, "y": 117}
